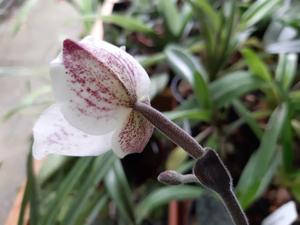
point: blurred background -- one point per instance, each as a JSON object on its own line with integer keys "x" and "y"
{"x": 225, "y": 71}
{"x": 30, "y": 35}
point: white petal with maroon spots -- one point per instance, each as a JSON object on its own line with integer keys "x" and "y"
{"x": 54, "y": 135}
{"x": 133, "y": 136}
{"x": 92, "y": 97}
{"x": 129, "y": 71}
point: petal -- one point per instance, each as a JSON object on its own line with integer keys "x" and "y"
{"x": 133, "y": 136}
{"x": 92, "y": 98}
{"x": 129, "y": 71}
{"x": 54, "y": 135}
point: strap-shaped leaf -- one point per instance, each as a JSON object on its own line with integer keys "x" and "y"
{"x": 292, "y": 46}
{"x": 294, "y": 97}
{"x": 129, "y": 23}
{"x": 163, "y": 196}
{"x": 257, "y": 11}
{"x": 192, "y": 114}
{"x": 256, "y": 65}
{"x": 187, "y": 67}
{"x": 33, "y": 193}
{"x": 286, "y": 70}
{"x": 65, "y": 188}
{"x": 118, "y": 188}
{"x": 175, "y": 20}
{"x": 210, "y": 22}
{"x": 248, "y": 117}
{"x": 171, "y": 15}
{"x": 100, "y": 167}
{"x": 260, "y": 168}
{"x": 232, "y": 86}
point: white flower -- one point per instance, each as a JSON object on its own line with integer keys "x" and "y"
{"x": 95, "y": 85}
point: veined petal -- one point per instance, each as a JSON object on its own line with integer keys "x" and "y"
{"x": 133, "y": 136}
{"x": 92, "y": 97}
{"x": 129, "y": 71}
{"x": 54, "y": 135}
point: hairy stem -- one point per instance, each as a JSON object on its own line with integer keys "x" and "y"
{"x": 209, "y": 169}
{"x": 170, "y": 129}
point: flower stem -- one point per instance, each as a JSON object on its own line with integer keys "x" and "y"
{"x": 212, "y": 173}
{"x": 170, "y": 129}
{"x": 234, "y": 209}
{"x": 209, "y": 169}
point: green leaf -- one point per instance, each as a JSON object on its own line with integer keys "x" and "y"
{"x": 283, "y": 47}
{"x": 98, "y": 203}
{"x": 85, "y": 6}
{"x": 286, "y": 70}
{"x": 229, "y": 41}
{"x": 87, "y": 190}
{"x": 296, "y": 127}
{"x": 186, "y": 14}
{"x": 118, "y": 188}
{"x": 260, "y": 168}
{"x": 201, "y": 90}
{"x": 153, "y": 59}
{"x": 211, "y": 16}
{"x": 288, "y": 145}
{"x": 176, "y": 158}
{"x": 23, "y": 205}
{"x": 186, "y": 66}
{"x": 210, "y": 23}
{"x": 248, "y": 117}
{"x": 171, "y": 15}
{"x": 257, "y": 187}
{"x": 128, "y": 23}
{"x": 65, "y": 189}
{"x": 175, "y": 20}
{"x": 258, "y": 11}
{"x": 50, "y": 166}
{"x": 158, "y": 84}
{"x": 186, "y": 167}
{"x": 272, "y": 32}
{"x": 183, "y": 63}
{"x": 294, "y": 97}
{"x": 163, "y": 196}
{"x": 256, "y": 65}
{"x": 192, "y": 114}
{"x": 33, "y": 192}
{"x": 296, "y": 192}
{"x": 232, "y": 86}
{"x": 150, "y": 60}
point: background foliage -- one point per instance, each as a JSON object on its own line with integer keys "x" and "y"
{"x": 226, "y": 71}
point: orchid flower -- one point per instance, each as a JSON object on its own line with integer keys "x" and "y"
{"x": 96, "y": 85}
{"x": 102, "y": 96}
